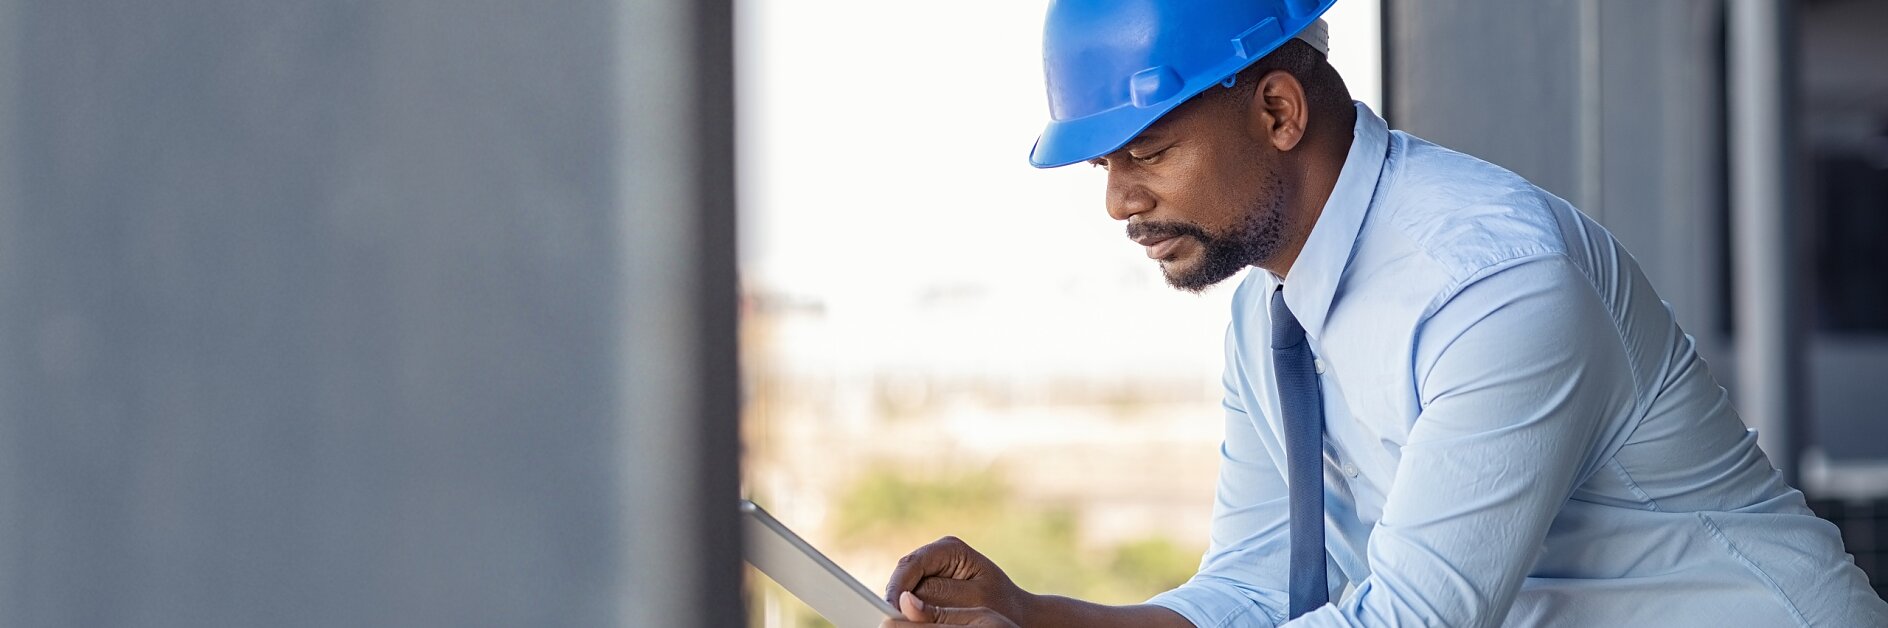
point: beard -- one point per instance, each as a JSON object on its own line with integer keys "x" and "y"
{"x": 1257, "y": 237}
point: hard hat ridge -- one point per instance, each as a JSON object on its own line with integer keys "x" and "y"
{"x": 1114, "y": 67}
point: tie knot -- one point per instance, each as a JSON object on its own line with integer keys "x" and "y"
{"x": 1286, "y": 332}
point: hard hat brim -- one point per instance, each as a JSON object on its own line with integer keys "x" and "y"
{"x": 1065, "y": 142}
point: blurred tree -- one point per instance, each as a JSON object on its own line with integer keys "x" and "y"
{"x": 1037, "y": 544}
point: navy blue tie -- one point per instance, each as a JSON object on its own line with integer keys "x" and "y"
{"x": 1304, "y": 455}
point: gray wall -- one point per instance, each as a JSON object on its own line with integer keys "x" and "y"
{"x": 363, "y": 313}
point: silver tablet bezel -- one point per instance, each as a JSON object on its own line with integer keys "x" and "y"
{"x": 808, "y": 574}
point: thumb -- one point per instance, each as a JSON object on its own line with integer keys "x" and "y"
{"x": 912, "y": 607}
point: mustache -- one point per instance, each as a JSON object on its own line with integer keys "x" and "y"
{"x": 1164, "y": 229}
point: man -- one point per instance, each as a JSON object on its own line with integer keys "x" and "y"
{"x": 1451, "y": 398}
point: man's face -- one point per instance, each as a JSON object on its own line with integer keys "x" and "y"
{"x": 1203, "y": 195}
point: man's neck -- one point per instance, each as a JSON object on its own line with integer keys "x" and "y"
{"x": 1316, "y": 181}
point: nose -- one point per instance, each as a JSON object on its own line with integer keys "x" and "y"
{"x": 1125, "y": 198}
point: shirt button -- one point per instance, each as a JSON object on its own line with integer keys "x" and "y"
{"x": 1317, "y": 364}
{"x": 1350, "y": 469}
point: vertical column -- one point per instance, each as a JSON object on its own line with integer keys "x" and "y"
{"x": 367, "y": 314}
{"x": 1592, "y": 173}
{"x": 677, "y": 96}
{"x": 12, "y": 478}
{"x": 1763, "y": 263}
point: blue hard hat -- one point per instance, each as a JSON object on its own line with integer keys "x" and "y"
{"x": 1116, "y": 66}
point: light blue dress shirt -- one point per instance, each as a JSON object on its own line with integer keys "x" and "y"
{"x": 1516, "y": 430}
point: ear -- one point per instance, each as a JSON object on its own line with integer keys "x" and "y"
{"x": 1278, "y": 112}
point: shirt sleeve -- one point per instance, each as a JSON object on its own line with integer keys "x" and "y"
{"x": 1517, "y": 374}
{"x": 1241, "y": 581}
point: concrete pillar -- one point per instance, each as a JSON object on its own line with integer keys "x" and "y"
{"x": 1765, "y": 265}
{"x": 366, "y": 314}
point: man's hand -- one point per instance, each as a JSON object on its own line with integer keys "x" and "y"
{"x": 947, "y": 583}
{"x": 920, "y": 615}
{"x": 948, "y": 573}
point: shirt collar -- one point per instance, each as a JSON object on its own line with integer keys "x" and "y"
{"x": 1314, "y": 275}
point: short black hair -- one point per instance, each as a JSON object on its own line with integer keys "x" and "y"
{"x": 1324, "y": 88}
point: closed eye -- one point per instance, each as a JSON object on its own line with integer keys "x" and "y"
{"x": 1149, "y": 157}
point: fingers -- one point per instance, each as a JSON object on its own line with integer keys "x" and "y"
{"x": 947, "y": 556}
{"x": 921, "y": 615}
{"x": 947, "y": 592}
{"x": 942, "y": 616}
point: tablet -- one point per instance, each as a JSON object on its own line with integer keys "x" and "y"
{"x": 809, "y": 575}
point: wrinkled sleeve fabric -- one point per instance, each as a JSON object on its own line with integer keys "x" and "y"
{"x": 1517, "y": 373}
{"x": 1241, "y": 581}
